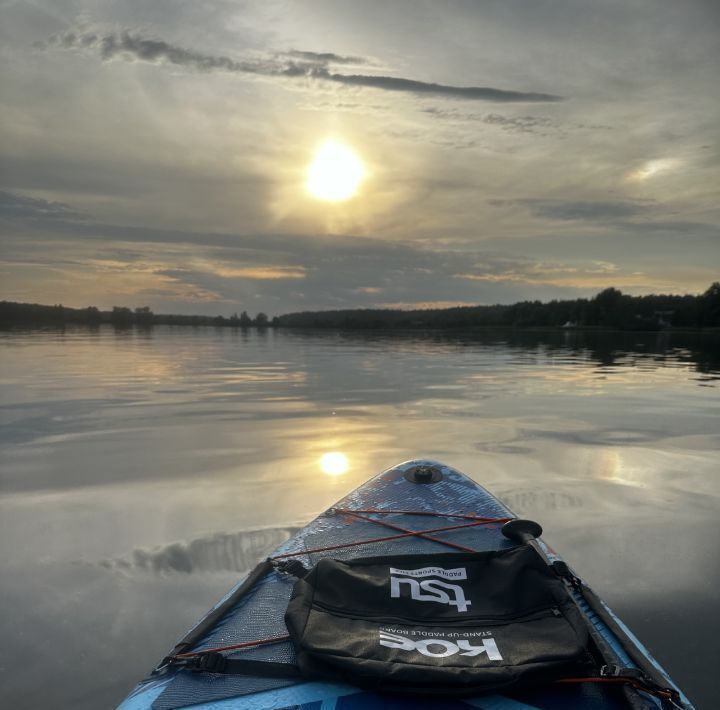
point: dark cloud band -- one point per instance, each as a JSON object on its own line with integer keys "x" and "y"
{"x": 483, "y": 93}
{"x": 13, "y": 206}
{"x": 296, "y": 63}
{"x": 577, "y": 210}
{"x": 325, "y": 57}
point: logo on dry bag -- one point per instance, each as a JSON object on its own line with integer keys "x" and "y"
{"x": 431, "y": 590}
{"x": 441, "y": 647}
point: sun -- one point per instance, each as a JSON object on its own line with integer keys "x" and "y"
{"x": 335, "y": 172}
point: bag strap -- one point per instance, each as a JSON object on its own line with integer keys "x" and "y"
{"x": 526, "y": 532}
{"x": 645, "y": 676}
{"x": 198, "y": 632}
{"x": 213, "y": 662}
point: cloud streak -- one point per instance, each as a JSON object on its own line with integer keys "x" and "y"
{"x": 483, "y": 93}
{"x": 260, "y": 273}
{"x": 293, "y": 64}
{"x": 14, "y": 206}
{"x": 325, "y": 57}
{"x": 596, "y": 274}
{"x": 580, "y": 210}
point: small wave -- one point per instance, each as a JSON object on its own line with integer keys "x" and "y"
{"x": 220, "y": 552}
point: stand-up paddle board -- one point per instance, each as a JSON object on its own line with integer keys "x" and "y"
{"x": 244, "y": 655}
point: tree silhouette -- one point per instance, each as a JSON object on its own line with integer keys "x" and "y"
{"x": 710, "y": 306}
{"x": 121, "y": 315}
{"x": 143, "y": 316}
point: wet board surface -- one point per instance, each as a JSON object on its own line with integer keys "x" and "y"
{"x": 259, "y": 614}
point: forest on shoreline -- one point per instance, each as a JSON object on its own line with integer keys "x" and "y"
{"x": 12, "y": 313}
{"x": 608, "y": 309}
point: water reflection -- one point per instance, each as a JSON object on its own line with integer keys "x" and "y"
{"x": 220, "y": 552}
{"x": 188, "y": 452}
{"x": 334, "y": 463}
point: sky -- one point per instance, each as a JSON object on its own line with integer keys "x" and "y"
{"x": 157, "y": 153}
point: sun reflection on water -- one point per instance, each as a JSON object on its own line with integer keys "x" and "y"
{"x": 334, "y": 463}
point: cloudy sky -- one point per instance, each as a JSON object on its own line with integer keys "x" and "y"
{"x": 156, "y": 153}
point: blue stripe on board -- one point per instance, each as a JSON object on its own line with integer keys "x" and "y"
{"x": 373, "y": 701}
{"x": 304, "y": 695}
{"x": 496, "y": 702}
{"x": 143, "y": 697}
{"x": 368, "y": 700}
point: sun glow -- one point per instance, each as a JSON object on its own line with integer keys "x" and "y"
{"x": 334, "y": 463}
{"x": 651, "y": 169}
{"x": 335, "y": 172}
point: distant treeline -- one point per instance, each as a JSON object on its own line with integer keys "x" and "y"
{"x": 609, "y": 309}
{"x": 35, "y": 314}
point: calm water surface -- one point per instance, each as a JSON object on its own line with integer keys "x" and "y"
{"x": 143, "y": 471}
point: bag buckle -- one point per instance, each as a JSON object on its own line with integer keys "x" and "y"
{"x": 207, "y": 663}
{"x": 292, "y": 567}
{"x": 614, "y": 671}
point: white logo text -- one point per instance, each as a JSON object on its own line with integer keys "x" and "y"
{"x": 431, "y": 590}
{"x": 441, "y": 648}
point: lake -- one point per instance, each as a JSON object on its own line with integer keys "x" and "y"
{"x": 144, "y": 470}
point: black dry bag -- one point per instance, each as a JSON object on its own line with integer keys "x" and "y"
{"x": 463, "y": 623}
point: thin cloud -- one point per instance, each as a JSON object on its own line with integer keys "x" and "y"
{"x": 511, "y": 124}
{"x": 310, "y": 65}
{"x": 579, "y": 210}
{"x": 128, "y": 46}
{"x": 325, "y": 57}
{"x": 368, "y": 290}
{"x": 261, "y": 273}
{"x": 540, "y": 125}
{"x": 425, "y": 305}
{"x": 484, "y": 93}
{"x": 593, "y": 275}
{"x": 13, "y": 206}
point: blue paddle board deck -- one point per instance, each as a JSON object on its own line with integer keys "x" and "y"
{"x": 259, "y": 614}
